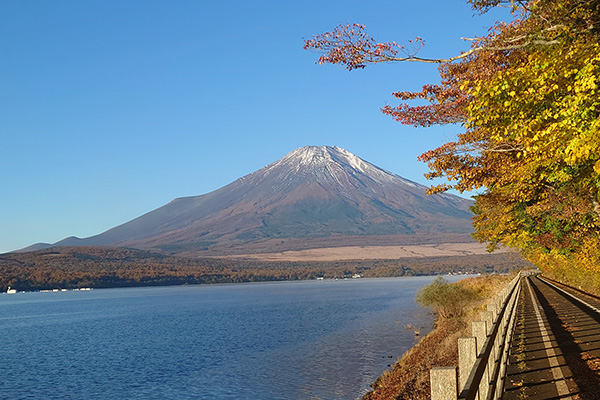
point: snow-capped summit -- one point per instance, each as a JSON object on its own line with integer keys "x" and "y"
{"x": 312, "y": 158}
{"x": 328, "y": 166}
{"x": 312, "y": 192}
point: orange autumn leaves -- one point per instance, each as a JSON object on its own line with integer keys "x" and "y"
{"x": 529, "y": 101}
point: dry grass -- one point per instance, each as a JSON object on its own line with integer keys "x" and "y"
{"x": 586, "y": 281}
{"x": 409, "y": 378}
{"x": 371, "y": 252}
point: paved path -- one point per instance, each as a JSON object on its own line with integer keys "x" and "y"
{"x": 555, "y": 352}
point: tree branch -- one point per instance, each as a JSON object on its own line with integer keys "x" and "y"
{"x": 466, "y": 53}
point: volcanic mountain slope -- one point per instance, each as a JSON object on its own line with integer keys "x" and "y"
{"x": 313, "y": 194}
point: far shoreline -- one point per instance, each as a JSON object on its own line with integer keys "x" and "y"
{"x": 274, "y": 282}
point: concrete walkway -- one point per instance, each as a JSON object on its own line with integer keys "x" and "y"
{"x": 555, "y": 352}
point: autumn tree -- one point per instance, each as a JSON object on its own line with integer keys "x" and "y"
{"x": 527, "y": 97}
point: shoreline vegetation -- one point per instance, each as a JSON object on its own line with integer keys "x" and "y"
{"x": 95, "y": 267}
{"x": 456, "y": 305}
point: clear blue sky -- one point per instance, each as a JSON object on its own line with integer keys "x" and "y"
{"x": 109, "y": 109}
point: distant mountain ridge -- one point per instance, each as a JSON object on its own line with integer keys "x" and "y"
{"x": 313, "y": 192}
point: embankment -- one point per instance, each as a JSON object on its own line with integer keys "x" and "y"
{"x": 409, "y": 377}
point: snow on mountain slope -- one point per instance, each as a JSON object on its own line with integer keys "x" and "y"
{"x": 312, "y": 192}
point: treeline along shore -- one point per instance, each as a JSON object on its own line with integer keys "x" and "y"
{"x": 97, "y": 267}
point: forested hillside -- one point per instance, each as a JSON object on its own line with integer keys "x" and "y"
{"x": 72, "y": 267}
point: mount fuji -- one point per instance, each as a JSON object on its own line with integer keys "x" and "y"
{"x": 314, "y": 196}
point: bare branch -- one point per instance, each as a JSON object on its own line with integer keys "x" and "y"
{"x": 521, "y": 37}
{"x": 471, "y": 39}
{"x": 465, "y": 54}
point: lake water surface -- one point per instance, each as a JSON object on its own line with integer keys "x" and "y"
{"x": 264, "y": 341}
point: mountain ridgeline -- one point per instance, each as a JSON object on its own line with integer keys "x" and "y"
{"x": 315, "y": 194}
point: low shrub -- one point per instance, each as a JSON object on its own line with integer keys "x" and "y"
{"x": 448, "y": 300}
{"x": 409, "y": 377}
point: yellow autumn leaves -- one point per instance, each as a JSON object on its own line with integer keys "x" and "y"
{"x": 546, "y": 107}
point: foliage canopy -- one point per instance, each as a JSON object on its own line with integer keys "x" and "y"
{"x": 528, "y": 98}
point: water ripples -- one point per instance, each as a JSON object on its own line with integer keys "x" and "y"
{"x": 304, "y": 340}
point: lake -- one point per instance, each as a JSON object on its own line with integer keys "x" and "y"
{"x": 326, "y": 339}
